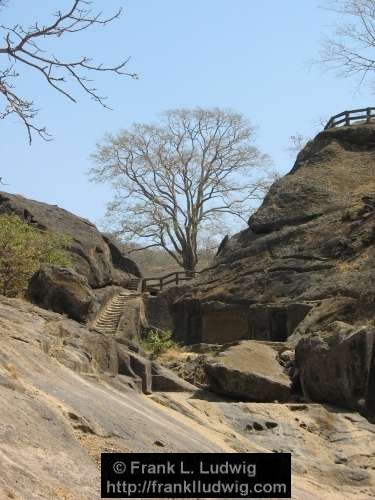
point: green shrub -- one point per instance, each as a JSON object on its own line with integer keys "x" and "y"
{"x": 156, "y": 342}
{"x": 23, "y": 248}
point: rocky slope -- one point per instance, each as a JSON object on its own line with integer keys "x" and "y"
{"x": 313, "y": 238}
{"x": 303, "y": 267}
{"x": 100, "y": 269}
{"x": 94, "y": 255}
{"x": 68, "y": 393}
{"x": 284, "y": 319}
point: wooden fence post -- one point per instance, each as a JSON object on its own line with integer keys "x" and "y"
{"x": 368, "y": 115}
{"x": 347, "y": 118}
{"x": 328, "y": 125}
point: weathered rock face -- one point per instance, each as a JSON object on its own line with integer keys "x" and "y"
{"x": 164, "y": 380}
{"x": 135, "y": 365}
{"x": 64, "y": 402}
{"x": 94, "y": 256}
{"x": 119, "y": 260}
{"x": 64, "y": 291}
{"x": 68, "y": 394}
{"x": 249, "y": 371}
{"x": 310, "y": 245}
{"x": 334, "y": 366}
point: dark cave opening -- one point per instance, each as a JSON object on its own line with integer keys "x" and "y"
{"x": 278, "y": 325}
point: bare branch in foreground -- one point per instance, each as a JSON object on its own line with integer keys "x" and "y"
{"x": 22, "y": 48}
{"x": 350, "y": 51}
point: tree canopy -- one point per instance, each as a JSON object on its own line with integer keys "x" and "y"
{"x": 181, "y": 177}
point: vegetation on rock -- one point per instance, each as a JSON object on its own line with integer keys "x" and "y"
{"x": 23, "y": 248}
{"x": 93, "y": 255}
{"x": 157, "y": 342}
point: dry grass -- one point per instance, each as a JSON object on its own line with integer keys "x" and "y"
{"x": 326, "y": 421}
{"x": 345, "y": 266}
{"x": 11, "y": 369}
{"x": 351, "y": 265}
{"x": 174, "y": 354}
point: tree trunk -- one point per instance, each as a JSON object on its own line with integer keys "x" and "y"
{"x": 189, "y": 262}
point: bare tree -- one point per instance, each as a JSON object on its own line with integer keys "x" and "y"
{"x": 296, "y": 143}
{"x": 350, "y": 51}
{"x": 174, "y": 180}
{"x": 22, "y": 48}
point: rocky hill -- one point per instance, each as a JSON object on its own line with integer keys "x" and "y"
{"x": 313, "y": 238}
{"x": 101, "y": 268}
{"x": 279, "y": 341}
{"x": 302, "y": 272}
{"x": 94, "y": 255}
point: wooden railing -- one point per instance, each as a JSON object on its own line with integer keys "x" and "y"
{"x": 346, "y": 118}
{"x": 175, "y": 278}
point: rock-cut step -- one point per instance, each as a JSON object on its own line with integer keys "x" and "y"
{"x": 109, "y": 318}
{"x": 134, "y": 284}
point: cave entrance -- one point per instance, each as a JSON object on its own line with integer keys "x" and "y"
{"x": 275, "y": 322}
{"x": 278, "y": 325}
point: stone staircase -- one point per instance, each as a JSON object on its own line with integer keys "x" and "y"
{"x": 134, "y": 284}
{"x": 109, "y": 318}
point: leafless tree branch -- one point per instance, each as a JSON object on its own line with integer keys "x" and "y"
{"x": 22, "y": 47}
{"x": 350, "y": 51}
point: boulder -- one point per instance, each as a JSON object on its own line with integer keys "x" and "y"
{"x": 64, "y": 291}
{"x": 135, "y": 365}
{"x": 94, "y": 255}
{"x": 164, "y": 380}
{"x": 249, "y": 371}
{"x": 334, "y": 365}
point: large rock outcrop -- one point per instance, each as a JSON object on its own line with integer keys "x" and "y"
{"x": 335, "y": 366}
{"x": 64, "y": 291}
{"x": 68, "y": 394}
{"x": 303, "y": 267}
{"x": 309, "y": 247}
{"x": 95, "y": 256}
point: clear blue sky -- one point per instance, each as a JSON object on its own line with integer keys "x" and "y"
{"x": 247, "y": 55}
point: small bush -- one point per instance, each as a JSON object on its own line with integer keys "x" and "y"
{"x": 23, "y": 248}
{"x": 157, "y": 342}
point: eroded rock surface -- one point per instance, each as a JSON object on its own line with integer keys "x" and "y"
{"x": 63, "y": 402}
{"x": 65, "y": 399}
{"x": 249, "y": 371}
{"x": 95, "y": 256}
{"x": 303, "y": 266}
{"x": 64, "y": 291}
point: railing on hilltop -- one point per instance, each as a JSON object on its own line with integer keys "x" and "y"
{"x": 346, "y": 118}
{"x": 175, "y": 278}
